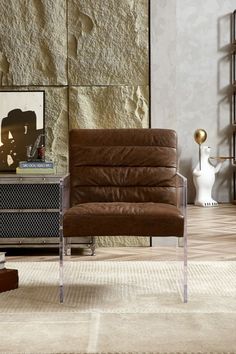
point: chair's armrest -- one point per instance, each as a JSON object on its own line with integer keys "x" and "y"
{"x": 181, "y": 186}
{"x": 181, "y": 180}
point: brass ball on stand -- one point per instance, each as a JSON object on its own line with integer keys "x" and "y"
{"x": 200, "y": 136}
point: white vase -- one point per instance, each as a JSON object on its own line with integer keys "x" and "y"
{"x": 204, "y": 179}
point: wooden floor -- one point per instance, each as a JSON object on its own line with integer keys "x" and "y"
{"x": 211, "y": 236}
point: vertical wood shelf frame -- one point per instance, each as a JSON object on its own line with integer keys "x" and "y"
{"x": 233, "y": 100}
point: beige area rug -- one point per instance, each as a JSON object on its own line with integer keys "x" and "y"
{"x": 120, "y": 308}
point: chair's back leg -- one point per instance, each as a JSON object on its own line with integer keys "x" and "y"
{"x": 93, "y": 247}
{"x": 185, "y": 245}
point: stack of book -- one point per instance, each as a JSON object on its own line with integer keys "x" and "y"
{"x": 37, "y": 167}
{"x": 8, "y": 277}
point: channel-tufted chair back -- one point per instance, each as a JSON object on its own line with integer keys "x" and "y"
{"x": 123, "y": 165}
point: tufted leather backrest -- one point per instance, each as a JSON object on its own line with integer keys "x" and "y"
{"x": 123, "y": 165}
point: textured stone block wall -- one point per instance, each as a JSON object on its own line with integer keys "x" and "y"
{"x": 91, "y": 59}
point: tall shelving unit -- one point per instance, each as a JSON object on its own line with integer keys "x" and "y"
{"x": 233, "y": 100}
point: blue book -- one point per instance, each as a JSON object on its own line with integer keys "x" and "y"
{"x": 36, "y": 164}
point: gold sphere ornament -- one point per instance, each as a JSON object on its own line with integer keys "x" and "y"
{"x": 200, "y": 135}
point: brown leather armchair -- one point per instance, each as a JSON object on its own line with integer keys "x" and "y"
{"x": 125, "y": 182}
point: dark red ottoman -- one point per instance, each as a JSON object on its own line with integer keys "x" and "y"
{"x": 8, "y": 279}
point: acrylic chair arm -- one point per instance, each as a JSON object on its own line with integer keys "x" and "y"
{"x": 181, "y": 186}
{"x": 181, "y": 191}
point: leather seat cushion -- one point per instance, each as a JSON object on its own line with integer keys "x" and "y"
{"x": 120, "y": 218}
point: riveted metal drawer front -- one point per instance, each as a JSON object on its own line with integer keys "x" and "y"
{"x": 29, "y": 196}
{"x": 29, "y": 224}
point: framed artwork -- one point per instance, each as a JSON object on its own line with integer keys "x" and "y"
{"x": 21, "y": 125}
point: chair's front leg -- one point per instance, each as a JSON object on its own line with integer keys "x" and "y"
{"x": 183, "y": 277}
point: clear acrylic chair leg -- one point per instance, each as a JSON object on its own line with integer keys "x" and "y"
{"x": 182, "y": 275}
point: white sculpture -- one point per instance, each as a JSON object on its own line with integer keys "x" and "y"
{"x": 204, "y": 178}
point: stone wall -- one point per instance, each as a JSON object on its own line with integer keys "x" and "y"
{"x": 91, "y": 59}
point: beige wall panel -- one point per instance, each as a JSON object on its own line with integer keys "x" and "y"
{"x": 109, "y": 107}
{"x": 163, "y": 63}
{"x": 33, "y": 42}
{"x": 190, "y": 81}
{"x": 108, "y": 42}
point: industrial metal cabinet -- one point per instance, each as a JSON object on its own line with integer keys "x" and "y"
{"x": 31, "y": 211}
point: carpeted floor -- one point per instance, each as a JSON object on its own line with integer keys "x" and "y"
{"x": 120, "y": 307}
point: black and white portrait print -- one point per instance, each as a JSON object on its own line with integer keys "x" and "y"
{"x": 21, "y": 123}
